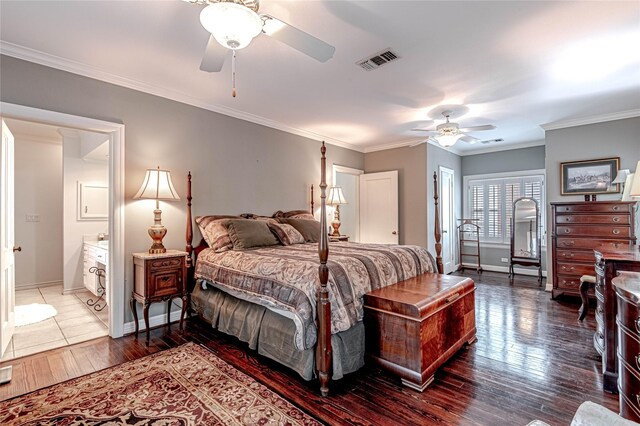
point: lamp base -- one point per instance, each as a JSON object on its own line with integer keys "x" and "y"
{"x": 336, "y": 228}
{"x": 157, "y": 233}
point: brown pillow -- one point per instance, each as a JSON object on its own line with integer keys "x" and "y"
{"x": 294, "y": 214}
{"x": 286, "y": 233}
{"x": 247, "y": 233}
{"x": 310, "y": 229}
{"x": 215, "y": 232}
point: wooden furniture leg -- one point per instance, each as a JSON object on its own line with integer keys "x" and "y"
{"x": 584, "y": 309}
{"x": 146, "y": 319}
{"x": 134, "y": 310}
{"x": 185, "y": 305}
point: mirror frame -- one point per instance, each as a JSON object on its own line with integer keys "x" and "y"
{"x": 526, "y": 261}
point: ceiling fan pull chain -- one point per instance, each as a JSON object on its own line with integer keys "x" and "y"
{"x": 233, "y": 74}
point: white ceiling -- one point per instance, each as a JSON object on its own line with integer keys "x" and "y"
{"x": 499, "y": 59}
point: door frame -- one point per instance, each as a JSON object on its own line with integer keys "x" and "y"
{"x": 355, "y": 172}
{"x": 452, "y": 215}
{"x": 116, "y": 132}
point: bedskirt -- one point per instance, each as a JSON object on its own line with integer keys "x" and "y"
{"x": 273, "y": 335}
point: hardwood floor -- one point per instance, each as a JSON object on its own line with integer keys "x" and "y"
{"x": 533, "y": 360}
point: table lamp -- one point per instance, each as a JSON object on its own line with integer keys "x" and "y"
{"x": 157, "y": 185}
{"x": 635, "y": 183}
{"x": 336, "y": 198}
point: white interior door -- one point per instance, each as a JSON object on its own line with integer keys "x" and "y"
{"x": 379, "y": 207}
{"x": 7, "y": 258}
{"x": 447, "y": 219}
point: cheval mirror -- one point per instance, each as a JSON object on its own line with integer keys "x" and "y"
{"x": 525, "y": 235}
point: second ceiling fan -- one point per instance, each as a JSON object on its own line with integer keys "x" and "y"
{"x": 448, "y": 133}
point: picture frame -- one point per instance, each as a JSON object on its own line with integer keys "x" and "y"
{"x": 589, "y": 176}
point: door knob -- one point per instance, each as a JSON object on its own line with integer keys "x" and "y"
{"x": 17, "y": 248}
{"x": 444, "y": 232}
{"x": 394, "y": 233}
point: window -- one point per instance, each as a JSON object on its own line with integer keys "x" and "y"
{"x": 489, "y": 199}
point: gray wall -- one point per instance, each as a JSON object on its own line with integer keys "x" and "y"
{"x": 436, "y": 157}
{"x": 412, "y": 182}
{"x": 504, "y": 161}
{"x": 512, "y": 160}
{"x": 237, "y": 166}
{"x": 619, "y": 138}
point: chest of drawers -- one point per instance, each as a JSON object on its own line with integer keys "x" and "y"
{"x": 627, "y": 288}
{"x": 579, "y": 228}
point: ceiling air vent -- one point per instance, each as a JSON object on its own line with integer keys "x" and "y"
{"x": 377, "y": 60}
{"x": 492, "y": 141}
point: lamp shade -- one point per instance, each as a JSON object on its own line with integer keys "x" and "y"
{"x": 448, "y": 140}
{"x": 232, "y": 25}
{"x": 635, "y": 183}
{"x": 336, "y": 196}
{"x": 157, "y": 185}
{"x": 621, "y": 177}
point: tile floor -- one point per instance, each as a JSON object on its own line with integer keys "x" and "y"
{"x": 75, "y": 322}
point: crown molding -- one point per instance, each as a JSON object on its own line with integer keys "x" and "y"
{"x": 502, "y": 148}
{"x": 563, "y": 124}
{"x": 74, "y": 67}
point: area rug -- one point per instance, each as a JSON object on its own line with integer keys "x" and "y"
{"x": 187, "y": 385}
{"x": 33, "y": 313}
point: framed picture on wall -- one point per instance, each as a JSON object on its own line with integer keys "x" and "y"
{"x": 590, "y": 177}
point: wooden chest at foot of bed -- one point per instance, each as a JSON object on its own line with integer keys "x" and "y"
{"x": 416, "y": 325}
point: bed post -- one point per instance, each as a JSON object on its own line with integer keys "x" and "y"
{"x": 189, "y": 236}
{"x": 437, "y": 225}
{"x": 323, "y": 348}
{"x": 311, "y": 198}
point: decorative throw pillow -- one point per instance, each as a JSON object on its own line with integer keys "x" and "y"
{"x": 294, "y": 214}
{"x": 310, "y": 229}
{"x": 214, "y": 232}
{"x": 286, "y": 233}
{"x": 247, "y": 233}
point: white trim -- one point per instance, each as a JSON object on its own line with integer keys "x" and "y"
{"x": 154, "y": 321}
{"x": 573, "y": 122}
{"x": 501, "y": 175}
{"x": 408, "y": 143}
{"x": 498, "y": 147}
{"x": 74, "y": 67}
{"x": 505, "y": 269}
{"x": 43, "y": 284}
{"x": 116, "y": 196}
{"x": 549, "y": 286}
{"x": 451, "y": 232}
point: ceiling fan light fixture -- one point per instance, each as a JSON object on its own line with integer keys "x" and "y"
{"x": 232, "y": 25}
{"x": 448, "y": 140}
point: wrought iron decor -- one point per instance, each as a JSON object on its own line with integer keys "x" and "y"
{"x": 99, "y": 303}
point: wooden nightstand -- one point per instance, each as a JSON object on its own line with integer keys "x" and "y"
{"x": 157, "y": 278}
{"x": 340, "y": 238}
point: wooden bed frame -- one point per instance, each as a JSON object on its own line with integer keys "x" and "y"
{"x": 323, "y": 345}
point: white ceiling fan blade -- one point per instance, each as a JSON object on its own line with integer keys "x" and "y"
{"x": 214, "y": 56}
{"x": 478, "y": 128}
{"x": 430, "y": 132}
{"x": 298, "y": 39}
{"x": 469, "y": 139}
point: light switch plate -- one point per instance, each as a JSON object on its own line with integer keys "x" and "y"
{"x": 5, "y": 374}
{"x": 32, "y": 218}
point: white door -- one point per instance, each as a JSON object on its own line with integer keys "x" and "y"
{"x": 447, "y": 219}
{"x": 7, "y": 258}
{"x": 379, "y": 207}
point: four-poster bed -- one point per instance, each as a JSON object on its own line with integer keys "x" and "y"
{"x": 325, "y": 319}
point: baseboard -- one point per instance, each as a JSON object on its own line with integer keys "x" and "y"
{"x": 38, "y": 285}
{"x": 548, "y": 287}
{"x": 73, "y": 290}
{"x": 505, "y": 269}
{"x": 155, "y": 321}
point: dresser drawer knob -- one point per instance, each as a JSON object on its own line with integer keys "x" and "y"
{"x": 616, "y": 208}
{"x": 570, "y": 268}
{"x": 637, "y": 322}
{"x": 638, "y": 361}
{"x": 616, "y": 219}
{"x": 569, "y": 243}
{"x": 570, "y": 255}
{"x": 616, "y": 231}
{"x": 566, "y": 231}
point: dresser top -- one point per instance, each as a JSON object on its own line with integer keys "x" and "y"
{"x": 568, "y": 203}
{"x": 169, "y": 253}
{"x": 632, "y": 255}
{"x": 627, "y": 284}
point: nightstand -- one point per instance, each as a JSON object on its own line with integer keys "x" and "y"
{"x": 340, "y": 238}
{"x": 159, "y": 277}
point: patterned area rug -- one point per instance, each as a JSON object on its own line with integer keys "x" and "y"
{"x": 187, "y": 385}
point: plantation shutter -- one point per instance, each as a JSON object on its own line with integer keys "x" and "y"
{"x": 476, "y": 203}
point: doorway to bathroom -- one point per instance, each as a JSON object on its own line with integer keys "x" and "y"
{"x": 60, "y": 228}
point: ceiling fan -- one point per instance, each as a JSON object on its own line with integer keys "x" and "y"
{"x": 233, "y": 24}
{"x": 448, "y": 133}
